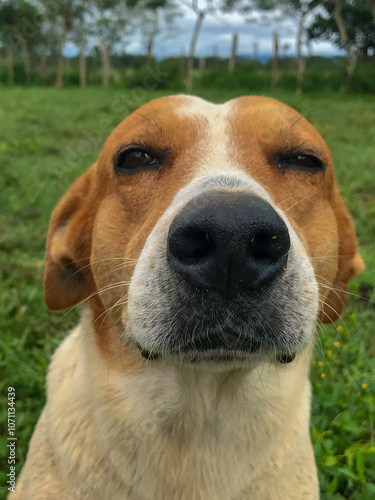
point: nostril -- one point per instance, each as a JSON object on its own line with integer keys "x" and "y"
{"x": 201, "y": 246}
{"x": 192, "y": 246}
{"x": 258, "y": 247}
{"x": 266, "y": 246}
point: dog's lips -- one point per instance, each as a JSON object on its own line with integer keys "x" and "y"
{"x": 189, "y": 353}
{"x": 226, "y": 341}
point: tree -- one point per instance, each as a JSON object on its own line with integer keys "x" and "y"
{"x": 46, "y": 46}
{"x": 80, "y": 34}
{"x": 154, "y": 22}
{"x": 61, "y": 15}
{"x": 201, "y": 10}
{"x": 348, "y": 43}
{"x": 111, "y": 23}
{"x": 295, "y": 10}
{"x": 150, "y": 28}
{"x": 349, "y": 25}
{"x": 7, "y": 20}
{"x": 154, "y": 17}
{"x": 275, "y": 60}
{"x": 302, "y": 9}
{"x": 233, "y": 55}
{"x": 12, "y": 17}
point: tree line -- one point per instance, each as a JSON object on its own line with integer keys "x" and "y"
{"x": 40, "y": 29}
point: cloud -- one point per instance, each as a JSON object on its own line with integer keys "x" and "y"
{"x": 216, "y": 37}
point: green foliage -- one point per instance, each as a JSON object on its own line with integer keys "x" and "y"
{"x": 13, "y": 14}
{"x": 344, "y": 408}
{"x": 51, "y": 136}
{"x": 170, "y": 76}
{"x": 359, "y": 22}
{"x": 320, "y": 76}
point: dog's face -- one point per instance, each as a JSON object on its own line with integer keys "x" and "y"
{"x": 207, "y": 233}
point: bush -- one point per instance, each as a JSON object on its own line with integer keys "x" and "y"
{"x": 164, "y": 76}
{"x": 322, "y": 75}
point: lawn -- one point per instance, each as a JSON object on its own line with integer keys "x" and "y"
{"x": 49, "y": 136}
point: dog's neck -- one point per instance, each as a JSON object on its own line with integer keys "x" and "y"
{"x": 173, "y": 384}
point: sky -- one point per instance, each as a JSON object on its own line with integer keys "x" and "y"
{"x": 218, "y": 30}
{"x": 216, "y": 35}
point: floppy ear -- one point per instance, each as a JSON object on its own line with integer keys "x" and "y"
{"x": 67, "y": 278}
{"x": 350, "y": 262}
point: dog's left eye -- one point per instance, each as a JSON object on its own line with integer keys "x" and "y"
{"x": 133, "y": 160}
{"x": 301, "y": 162}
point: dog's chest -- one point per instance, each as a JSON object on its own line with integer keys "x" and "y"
{"x": 209, "y": 442}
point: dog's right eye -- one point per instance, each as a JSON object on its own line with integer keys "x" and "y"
{"x": 133, "y": 160}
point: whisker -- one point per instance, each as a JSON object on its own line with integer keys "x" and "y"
{"x": 94, "y": 294}
{"x": 298, "y": 202}
{"x": 130, "y": 261}
{"x": 114, "y": 269}
{"x": 336, "y": 288}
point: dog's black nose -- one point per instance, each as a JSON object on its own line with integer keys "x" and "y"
{"x": 228, "y": 242}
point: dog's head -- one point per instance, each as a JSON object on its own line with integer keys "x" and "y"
{"x": 208, "y": 232}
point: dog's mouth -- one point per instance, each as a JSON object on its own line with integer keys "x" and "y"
{"x": 243, "y": 332}
{"x": 202, "y": 327}
{"x": 202, "y": 350}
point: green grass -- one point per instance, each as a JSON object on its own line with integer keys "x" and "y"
{"x": 48, "y": 137}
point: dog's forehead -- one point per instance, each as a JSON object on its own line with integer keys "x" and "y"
{"x": 181, "y": 121}
{"x": 167, "y": 113}
{"x": 183, "y": 107}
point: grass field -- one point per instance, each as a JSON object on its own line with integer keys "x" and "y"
{"x": 48, "y": 137}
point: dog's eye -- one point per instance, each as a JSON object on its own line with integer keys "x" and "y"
{"x": 133, "y": 160}
{"x": 309, "y": 163}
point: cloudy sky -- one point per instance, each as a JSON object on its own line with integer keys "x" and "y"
{"x": 217, "y": 31}
{"x": 216, "y": 35}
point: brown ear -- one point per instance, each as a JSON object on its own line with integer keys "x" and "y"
{"x": 350, "y": 262}
{"x": 67, "y": 277}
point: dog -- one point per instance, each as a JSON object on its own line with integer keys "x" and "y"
{"x": 204, "y": 244}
